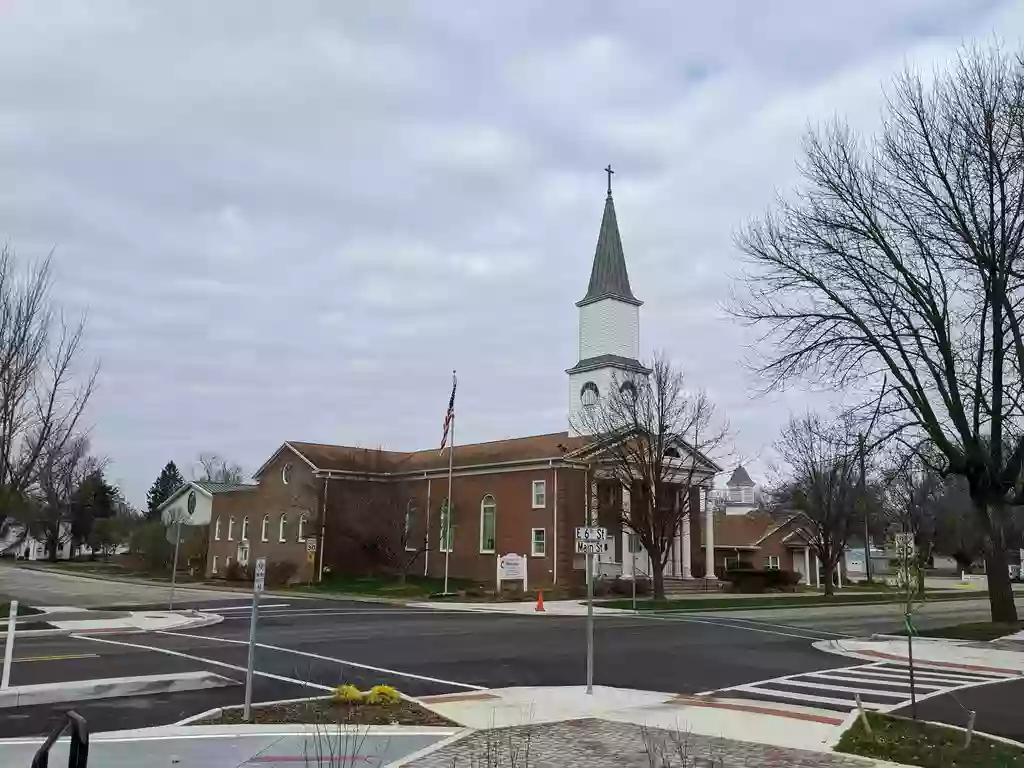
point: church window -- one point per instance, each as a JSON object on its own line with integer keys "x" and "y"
{"x": 264, "y": 528}
{"x": 286, "y": 473}
{"x": 410, "y": 525}
{"x": 628, "y": 388}
{"x": 245, "y": 528}
{"x": 282, "y": 527}
{"x": 216, "y": 529}
{"x": 231, "y": 528}
{"x": 488, "y": 523}
{"x": 589, "y": 394}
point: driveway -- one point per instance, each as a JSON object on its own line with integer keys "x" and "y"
{"x": 37, "y": 587}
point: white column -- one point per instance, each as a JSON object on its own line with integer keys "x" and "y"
{"x": 817, "y": 572}
{"x": 685, "y": 535}
{"x": 839, "y": 571}
{"x": 709, "y": 535}
{"x": 807, "y": 566}
{"x": 626, "y": 499}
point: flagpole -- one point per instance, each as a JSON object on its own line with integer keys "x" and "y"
{"x": 448, "y": 527}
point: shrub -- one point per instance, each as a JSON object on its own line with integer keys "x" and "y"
{"x": 347, "y": 693}
{"x": 384, "y": 695}
{"x": 280, "y": 572}
{"x": 754, "y": 580}
{"x": 237, "y": 572}
{"x": 624, "y": 587}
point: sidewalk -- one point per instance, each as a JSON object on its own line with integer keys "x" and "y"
{"x": 1006, "y": 656}
{"x": 69, "y": 620}
{"x": 525, "y": 608}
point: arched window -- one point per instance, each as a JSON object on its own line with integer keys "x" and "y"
{"x": 231, "y": 528}
{"x": 282, "y": 526}
{"x": 410, "y": 526}
{"x": 216, "y": 529}
{"x": 245, "y": 528}
{"x": 628, "y": 388}
{"x": 488, "y": 523}
{"x": 445, "y": 537}
{"x": 589, "y": 394}
{"x": 265, "y": 529}
{"x": 286, "y": 473}
{"x": 301, "y": 535}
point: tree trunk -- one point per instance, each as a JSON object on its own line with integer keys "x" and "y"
{"x": 829, "y": 573}
{"x": 658, "y": 579}
{"x": 1000, "y": 591}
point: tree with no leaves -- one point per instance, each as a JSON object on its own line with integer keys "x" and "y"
{"x": 903, "y": 259}
{"x": 64, "y": 466}
{"x": 822, "y": 483}
{"x": 656, "y": 438}
{"x": 214, "y": 468}
{"x": 43, "y": 391}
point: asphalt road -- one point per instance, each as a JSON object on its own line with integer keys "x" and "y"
{"x": 37, "y": 587}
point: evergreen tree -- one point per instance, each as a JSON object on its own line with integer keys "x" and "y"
{"x": 166, "y": 484}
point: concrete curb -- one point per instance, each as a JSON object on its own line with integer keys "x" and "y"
{"x": 218, "y": 711}
{"x": 112, "y": 687}
{"x": 411, "y": 759}
{"x": 206, "y": 620}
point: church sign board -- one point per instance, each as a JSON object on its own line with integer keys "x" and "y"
{"x": 511, "y": 567}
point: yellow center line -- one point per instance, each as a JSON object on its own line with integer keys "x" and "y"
{"x": 60, "y": 658}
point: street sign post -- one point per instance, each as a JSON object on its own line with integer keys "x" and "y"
{"x": 590, "y": 541}
{"x": 259, "y": 576}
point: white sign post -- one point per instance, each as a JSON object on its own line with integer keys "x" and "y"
{"x": 12, "y": 620}
{"x": 259, "y": 576}
{"x": 511, "y": 567}
{"x": 590, "y": 541}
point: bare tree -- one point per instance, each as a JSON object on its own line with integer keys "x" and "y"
{"x": 903, "y": 259}
{"x": 64, "y": 465}
{"x": 379, "y": 514}
{"x": 912, "y": 500}
{"x": 822, "y": 481}
{"x": 42, "y": 390}
{"x": 214, "y": 468}
{"x": 655, "y": 438}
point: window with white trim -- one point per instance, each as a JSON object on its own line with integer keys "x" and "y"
{"x": 231, "y": 528}
{"x": 216, "y": 529}
{"x": 265, "y": 528}
{"x": 282, "y": 527}
{"x": 445, "y": 537}
{"x": 286, "y": 473}
{"x": 245, "y": 529}
{"x": 303, "y": 519}
{"x": 635, "y": 546}
{"x": 488, "y": 524}
{"x": 540, "y": 494}
{"x": 538, "y": 542}
{"x": 213, "y": 568}
{"x": 772, "y": 562}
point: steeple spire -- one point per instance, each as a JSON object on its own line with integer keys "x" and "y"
{"x": 608, "y": 276}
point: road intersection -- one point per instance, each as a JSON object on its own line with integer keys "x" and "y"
{"x": 308, "y": 645}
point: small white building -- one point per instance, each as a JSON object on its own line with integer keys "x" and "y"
{"x": 738, "y": 496}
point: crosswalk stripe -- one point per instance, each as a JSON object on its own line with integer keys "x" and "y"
{"x": 890, "y": 683}
{"x": 807, "y": 697}
{"x": 918, "y": 677}
{"x": 933, "y": 669}
{"x": 844, "y": 688}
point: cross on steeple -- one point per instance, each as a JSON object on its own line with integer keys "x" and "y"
{"x": 609, "y": 171}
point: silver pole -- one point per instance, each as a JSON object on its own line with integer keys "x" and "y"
{"x": 174, "y": 567}
{"x": 12, "y": 620}
{"x": 590, "y": 624}
{"x": 252, "y": 654}
{"x": 448, "y": 527}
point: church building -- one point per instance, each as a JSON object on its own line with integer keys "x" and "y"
{"x": 525, "y": 495}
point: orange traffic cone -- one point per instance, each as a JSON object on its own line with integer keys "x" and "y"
{"x": 540, "y": 601}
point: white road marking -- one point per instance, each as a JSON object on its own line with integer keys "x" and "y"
{"x": 760, "y": 623}
{"x": 243, "y": 607}
{"x": 332, "y": 612}
{"x": 920, "y": 675}
{"x": 905, "y": 685}
{"x": 202, "y": 660}
{"x": 343, "y": 662}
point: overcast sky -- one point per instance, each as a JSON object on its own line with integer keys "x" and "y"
{"x": 291, "y": 220}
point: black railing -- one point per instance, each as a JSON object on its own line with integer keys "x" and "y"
{"x": 78, "y": 749}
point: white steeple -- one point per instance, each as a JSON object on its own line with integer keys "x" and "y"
{"x": 609, "y": 322}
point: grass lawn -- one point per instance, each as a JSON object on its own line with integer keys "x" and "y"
{"x": 381, "y": 586}
{"x": 781, "y": 600}
{"x": 23, "y": 610}
{"x": 979, "y": 630}
{"x": 929, "y": 746}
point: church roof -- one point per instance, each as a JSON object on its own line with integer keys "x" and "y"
{"x": 615, "y": 361}
{"x": 740, "y": 477}
{"x": 608, "y": 276}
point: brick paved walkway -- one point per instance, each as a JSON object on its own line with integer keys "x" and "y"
{"x": 605, "y": 744}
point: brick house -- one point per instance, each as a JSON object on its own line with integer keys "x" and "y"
{"x": 523, "y": 495}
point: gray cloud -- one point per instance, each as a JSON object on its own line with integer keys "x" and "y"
{"x": 291, "y": 221}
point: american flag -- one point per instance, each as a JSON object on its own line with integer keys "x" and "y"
{"x": 449, "y": 417}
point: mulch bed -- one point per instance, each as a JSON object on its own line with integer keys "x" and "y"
{"x": 327, "y": 711}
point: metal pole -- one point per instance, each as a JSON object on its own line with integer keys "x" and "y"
{"x": 910, "y": 663}
{"x": 174, "y": 566}
{"x": 864, "y": 510}
{"x": 12, "y": 620}
{"x": 252, "y": 654}
{"x": 447, "y": 529}
{"x": 590, "y": 624}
